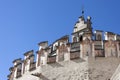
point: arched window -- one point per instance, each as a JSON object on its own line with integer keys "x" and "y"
{"x": 75, "y": 39}
{"x": 99, "y": 37}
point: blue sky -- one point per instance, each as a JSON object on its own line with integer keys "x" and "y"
{"x": 25, "y": 23}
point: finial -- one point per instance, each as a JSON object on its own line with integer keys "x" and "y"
{"x": 82, "y": 17}
{"x": 82, "y": 10}
{"x": 88, "y": 17}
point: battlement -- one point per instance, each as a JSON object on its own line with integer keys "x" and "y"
{"x": 84, "y": 43}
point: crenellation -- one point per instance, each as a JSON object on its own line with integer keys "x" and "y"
{"x": 117, "y": 37}
{"x": 109, "y": 36}
{"x": 28, "y": 54}
{"x": 17, "y": 61}
{"x": 85, "y": 43}
{"x": 43, "y": 45}
{"x": 17, "y": 68}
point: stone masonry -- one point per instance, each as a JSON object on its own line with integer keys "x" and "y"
{"x": 89, "y": 56}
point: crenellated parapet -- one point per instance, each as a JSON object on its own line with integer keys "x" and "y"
{"x": 11, "y": 75}
{"x": 54, "y": 52}
{"x": 17, "y": 69}
{"x": 21, "y": 67}
{"x": 84, "y": 43}
{"x": 28, "y": 62}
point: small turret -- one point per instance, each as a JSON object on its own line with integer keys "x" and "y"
{"x": 29, "y": 63}
{"x": 28, "y": 54}
{"x": 17, "y": 61}
{"x": 117, "y": 37}
{"x": 43, "y": 45}
{"x": 17, "y": 68}
{"x": 11, "y": 75}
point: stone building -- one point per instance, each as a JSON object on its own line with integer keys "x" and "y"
{"x": 85, "y": 43}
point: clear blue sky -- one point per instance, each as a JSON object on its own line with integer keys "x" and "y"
{"x": 24, "y": 23}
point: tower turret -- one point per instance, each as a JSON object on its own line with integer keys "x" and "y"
{"x": 17, "y": 67}
{"x": 29, "y": 63}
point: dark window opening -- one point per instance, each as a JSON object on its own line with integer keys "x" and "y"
{"x": 81, "y": 38}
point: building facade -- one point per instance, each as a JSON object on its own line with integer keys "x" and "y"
{"x": 85, "y": 42}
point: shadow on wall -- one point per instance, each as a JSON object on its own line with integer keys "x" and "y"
{"x": 40, "y": 76}
{"x": 54, "y": 65}
{"x": 43, "y": 77}
{"x": 78, "y": 60}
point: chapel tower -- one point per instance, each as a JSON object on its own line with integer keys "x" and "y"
{"x": 81, "y": 28}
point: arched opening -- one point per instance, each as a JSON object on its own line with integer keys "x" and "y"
{"x": 81, "y": 38}
{"x": 75, "y": 39}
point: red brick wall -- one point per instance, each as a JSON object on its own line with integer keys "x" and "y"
{"x": 74, "y": 55}
{"x": 51, "y": 59}
{"x": 99, "y": 53}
